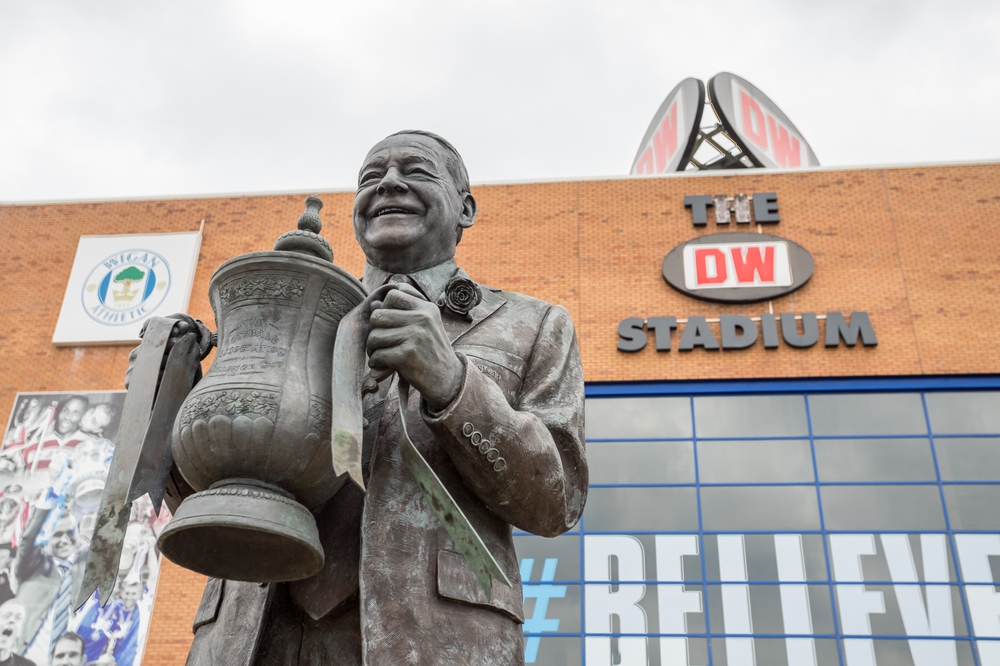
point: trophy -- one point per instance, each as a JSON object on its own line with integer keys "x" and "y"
{"x": 253, "y": 437}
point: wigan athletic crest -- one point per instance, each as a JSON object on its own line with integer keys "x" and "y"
{"x": 126, "y": 287}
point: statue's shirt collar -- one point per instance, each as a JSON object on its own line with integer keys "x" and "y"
{"x": 431, "y": 281}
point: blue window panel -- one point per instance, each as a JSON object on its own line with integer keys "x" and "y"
{"x": 641, "y": 462}
{"x": 760, "y": 508}
{"x": 638, "y": 418}
{"x": 755, "y": 461}
{"x": 914, "y": 652}
{"x": 883, "y": 507}
{"x": 964, "y": 413}
{"x": 968, "y": 458}
{"x": 751, "y": 416}
{"x": 641, "y": 509}
{"x": 867, "y": 414}
{"x": 973, "y": 507}
{"x": 880, "y": 459}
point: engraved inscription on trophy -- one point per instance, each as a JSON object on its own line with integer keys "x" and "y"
{"x": 252, "y": 346}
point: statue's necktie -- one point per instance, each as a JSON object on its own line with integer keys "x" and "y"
{"x": 60, "y": 608}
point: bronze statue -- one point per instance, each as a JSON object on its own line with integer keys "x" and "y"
{"x": 416, "y": 562}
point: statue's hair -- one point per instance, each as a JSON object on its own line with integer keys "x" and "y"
{"x": 456, "y": 165}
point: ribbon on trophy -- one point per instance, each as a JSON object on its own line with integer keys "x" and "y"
{"x": 142, "y": 459}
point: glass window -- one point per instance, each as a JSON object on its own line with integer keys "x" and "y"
{"x": 763, "y": 606}
{"x": 882, "y": 508}
{"x": 755, "y": 461}
{"x": 641, "y": 462}
{"x": 961, "y": 413}
{"x": 565, "y": 550}
{"x": 968, "y": 459}
{"x": 751, "y": 508}
{"x": 898, "y": 652}
{"x": 638, "y": 418}
{"x": 563, "y": 605}
{"x": 973, "y": 507}
{"x": 551, "y": 650}
{"x": 641, "y": 509}
{"x": 867, "y": 414}
{"x": 773, "y": 557}
{"x": 874, "y": 460}
{"x": 898, "y": 599}
{"x": 751, "y": 416}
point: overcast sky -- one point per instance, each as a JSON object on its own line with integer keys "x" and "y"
{"x": 133, "y": 99}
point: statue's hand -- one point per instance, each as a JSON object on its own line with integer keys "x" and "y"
{"x": 407, "y": 336}
{"x": 185, "y": 324}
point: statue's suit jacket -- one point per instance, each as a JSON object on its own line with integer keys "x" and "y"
{"x": 386, "y": 552}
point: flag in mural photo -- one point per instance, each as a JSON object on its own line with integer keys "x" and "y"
{"x": 54, "y": 462}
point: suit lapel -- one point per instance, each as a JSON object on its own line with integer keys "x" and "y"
{"x": 457, "y": 327}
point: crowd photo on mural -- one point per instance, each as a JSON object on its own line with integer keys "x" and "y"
{"x": 54, "y": 462}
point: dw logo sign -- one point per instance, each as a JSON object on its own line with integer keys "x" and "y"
{"x": 737, "y": 267}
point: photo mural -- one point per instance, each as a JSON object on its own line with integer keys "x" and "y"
{"x": 54, "y": 461}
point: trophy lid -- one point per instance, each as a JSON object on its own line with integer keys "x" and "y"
{"x": 306, "y": 239}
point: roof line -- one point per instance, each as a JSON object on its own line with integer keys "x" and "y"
{"x": 503, "y": 183}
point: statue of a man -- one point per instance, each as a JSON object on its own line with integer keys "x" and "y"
{"x": 395, "y": 589}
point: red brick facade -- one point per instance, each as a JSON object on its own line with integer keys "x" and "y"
{"x": 915, "y": 247}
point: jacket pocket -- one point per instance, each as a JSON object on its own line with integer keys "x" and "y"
{"x": 456, "y": 581}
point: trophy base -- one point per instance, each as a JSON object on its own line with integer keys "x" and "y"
{"x": 244, "y": 529}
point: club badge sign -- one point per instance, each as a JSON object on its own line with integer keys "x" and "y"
{"x": 117, "y": 282}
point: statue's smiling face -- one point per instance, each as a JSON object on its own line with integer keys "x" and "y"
{"x": 407, "y": 205}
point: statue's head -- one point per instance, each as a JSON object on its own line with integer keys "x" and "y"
{"x": 413, "y": 202}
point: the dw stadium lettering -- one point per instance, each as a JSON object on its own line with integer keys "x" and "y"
{"x": 740, "y": 331}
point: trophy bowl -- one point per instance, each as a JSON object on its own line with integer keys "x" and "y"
{"x": 253, "y": 437}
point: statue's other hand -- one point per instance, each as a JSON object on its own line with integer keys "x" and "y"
{"x": 408, "y": 336}
{"x": 184, "y": 325}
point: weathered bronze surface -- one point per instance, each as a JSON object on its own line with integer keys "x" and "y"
{"x": 112, "y": 517}
{"x": 460, "y": 417}
{"x": 252, "y": 439}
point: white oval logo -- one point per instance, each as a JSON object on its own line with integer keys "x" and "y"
{"x": 126, "y": 287}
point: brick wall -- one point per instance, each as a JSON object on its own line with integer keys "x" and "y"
{"x": 914, "y": 247}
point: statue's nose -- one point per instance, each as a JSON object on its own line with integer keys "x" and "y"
{"x": 392, "y": 182}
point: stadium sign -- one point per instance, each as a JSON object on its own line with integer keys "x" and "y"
{"x": 737, "y": 267}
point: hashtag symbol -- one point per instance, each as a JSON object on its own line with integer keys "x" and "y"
{"x": 538, "y": 623}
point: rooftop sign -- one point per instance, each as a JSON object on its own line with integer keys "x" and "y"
{"x": 669, "y": 141}
{"x": 756, "y": 123}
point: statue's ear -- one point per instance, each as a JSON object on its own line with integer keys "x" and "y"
{"x": 469, "y": 209}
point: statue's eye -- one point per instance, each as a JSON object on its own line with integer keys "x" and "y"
{"x": 370, "y": 176}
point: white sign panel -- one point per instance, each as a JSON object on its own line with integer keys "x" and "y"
{"x": 117, "y": 282}
{"x": 756, "y": 122}
{"x": 728, "y": 265}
